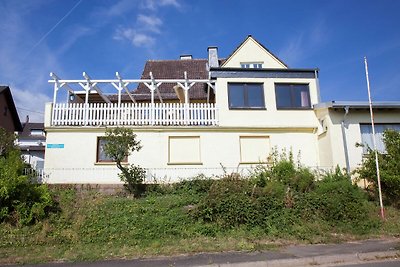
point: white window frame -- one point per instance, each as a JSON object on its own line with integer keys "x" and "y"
{"x": 251, "y": 65}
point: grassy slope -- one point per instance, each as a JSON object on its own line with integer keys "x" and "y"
{"x": 92, "y": 227}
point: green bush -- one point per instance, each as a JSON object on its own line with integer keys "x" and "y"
{"x": 133, "y": 178}
{"x": 336, "y": 200}
{"x": 22, "y": 200}
{"x": 389, "y": 166}
{"x": 282, "y": 169}
{"x": 198, "y": 185}
{"x": 228, "y": 202}
{"x": 281, "y": 197}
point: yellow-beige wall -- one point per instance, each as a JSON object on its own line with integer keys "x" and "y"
{"x": 330, "y": 140}
{"x": 219, "y": 146}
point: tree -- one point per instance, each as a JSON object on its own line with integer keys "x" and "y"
{"x": 389, "y": 167}
{"x": 120, "y": 143}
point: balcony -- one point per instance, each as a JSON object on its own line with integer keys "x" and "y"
{"x": 134, "y": 114}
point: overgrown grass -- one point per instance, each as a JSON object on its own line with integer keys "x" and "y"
{"x": 198, "y": 216}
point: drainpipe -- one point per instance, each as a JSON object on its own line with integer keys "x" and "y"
{"x": 346, "y": 152}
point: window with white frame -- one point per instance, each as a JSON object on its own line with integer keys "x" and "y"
{"x": 292, "y": 96}
{"x": 251, "y": 65}
{"x": 367, "y": 136}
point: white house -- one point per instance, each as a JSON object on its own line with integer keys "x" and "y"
{"x": 200, "y": 115}
{"x": 32, "y": 141}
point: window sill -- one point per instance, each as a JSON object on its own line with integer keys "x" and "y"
{"x": 308, "y": 108}
{"x": 230, "y": 108}
{"x": 109, "y": 163}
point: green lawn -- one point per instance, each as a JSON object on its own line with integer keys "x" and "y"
{"x": 91, "y": 226}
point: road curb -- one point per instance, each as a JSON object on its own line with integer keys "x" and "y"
{"x": 330, "y": 260}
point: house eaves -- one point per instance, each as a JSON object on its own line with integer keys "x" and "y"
{"x": 358, "y": 105}
{"x": 262, "y": 73}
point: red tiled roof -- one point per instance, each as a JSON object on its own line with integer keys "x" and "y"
{"x": 174, "y": 69}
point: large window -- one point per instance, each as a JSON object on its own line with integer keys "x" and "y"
{"x": 366, "y": 135}
{"x": 292, "y": 96}
{"x": 246, "y": 96}
{"x": 101, "y": 155}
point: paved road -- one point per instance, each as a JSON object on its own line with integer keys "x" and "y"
{"x": 304, "y": 255}
{"x": 376, "y": 264}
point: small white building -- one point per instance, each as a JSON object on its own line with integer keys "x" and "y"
{"x": 32, "y": 142}
{"x": 202, "y": 116}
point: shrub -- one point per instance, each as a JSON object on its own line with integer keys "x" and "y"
{"x": 22, "y": 200}
{"x": 336, "y": 200}
{"x": 283, "y": 170}
{"x": 227, "y": 202}
{"x": 121, "y": 142}
{"x": 198, "y": 185}
{"x": 133, "y": 179}
{"x": 389, "y": 166}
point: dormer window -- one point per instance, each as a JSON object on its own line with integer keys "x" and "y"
{"x": 251, "y": 65}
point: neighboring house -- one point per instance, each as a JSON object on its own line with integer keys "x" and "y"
{"x": 203, "y": 116}
{"x": 32, "y": 141}
{"x": 9, "y": 119}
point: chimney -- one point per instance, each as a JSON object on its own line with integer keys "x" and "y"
{"x": 213, "y": 57}
{"x": 27, "y": 119}
{"x": 186, "y": 57}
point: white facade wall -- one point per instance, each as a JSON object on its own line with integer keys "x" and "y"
{"x": 218, "y": 147}
{"x": 270, "y": 117}
{"x": 331, "y": 144}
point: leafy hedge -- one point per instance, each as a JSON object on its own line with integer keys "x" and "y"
{"x": 283, "y": 196}
{"x": 21, "y": 199}
{"x": 389, "y": 166}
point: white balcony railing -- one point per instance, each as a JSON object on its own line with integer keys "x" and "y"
{"x": 104, "y": 114}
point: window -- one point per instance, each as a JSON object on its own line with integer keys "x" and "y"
{"x": 246, "y": 96}
{"x": 254, "y": 149}
{"x": 101, "y": 155}
{"x": 184, "y": 150}
{"x": 37, "y": 132}
{"x": 251, "y": 65}
{"x": 292, "y": 96}
{"x": 366, "y": 135}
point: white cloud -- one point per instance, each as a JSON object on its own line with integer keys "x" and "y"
{"x": 304, "y": 43}
{"x": 155, "y": 4}
{"x": 27, "y": 77}
{"x": 74, "y": 34}
{"x": 151, "y": 23}
{"x": 118, "y": 9}
{"x": 136, "y": 38}
{"x": 293, "y": 52}
{"x": 29, "y": 103}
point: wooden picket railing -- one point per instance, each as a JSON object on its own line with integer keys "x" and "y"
{"x": 104, "y": 114}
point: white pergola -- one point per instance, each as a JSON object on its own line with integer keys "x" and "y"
{"x": 93, "y": 85}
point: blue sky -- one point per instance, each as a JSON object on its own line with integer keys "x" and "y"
{"x": 104, "y": 36}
